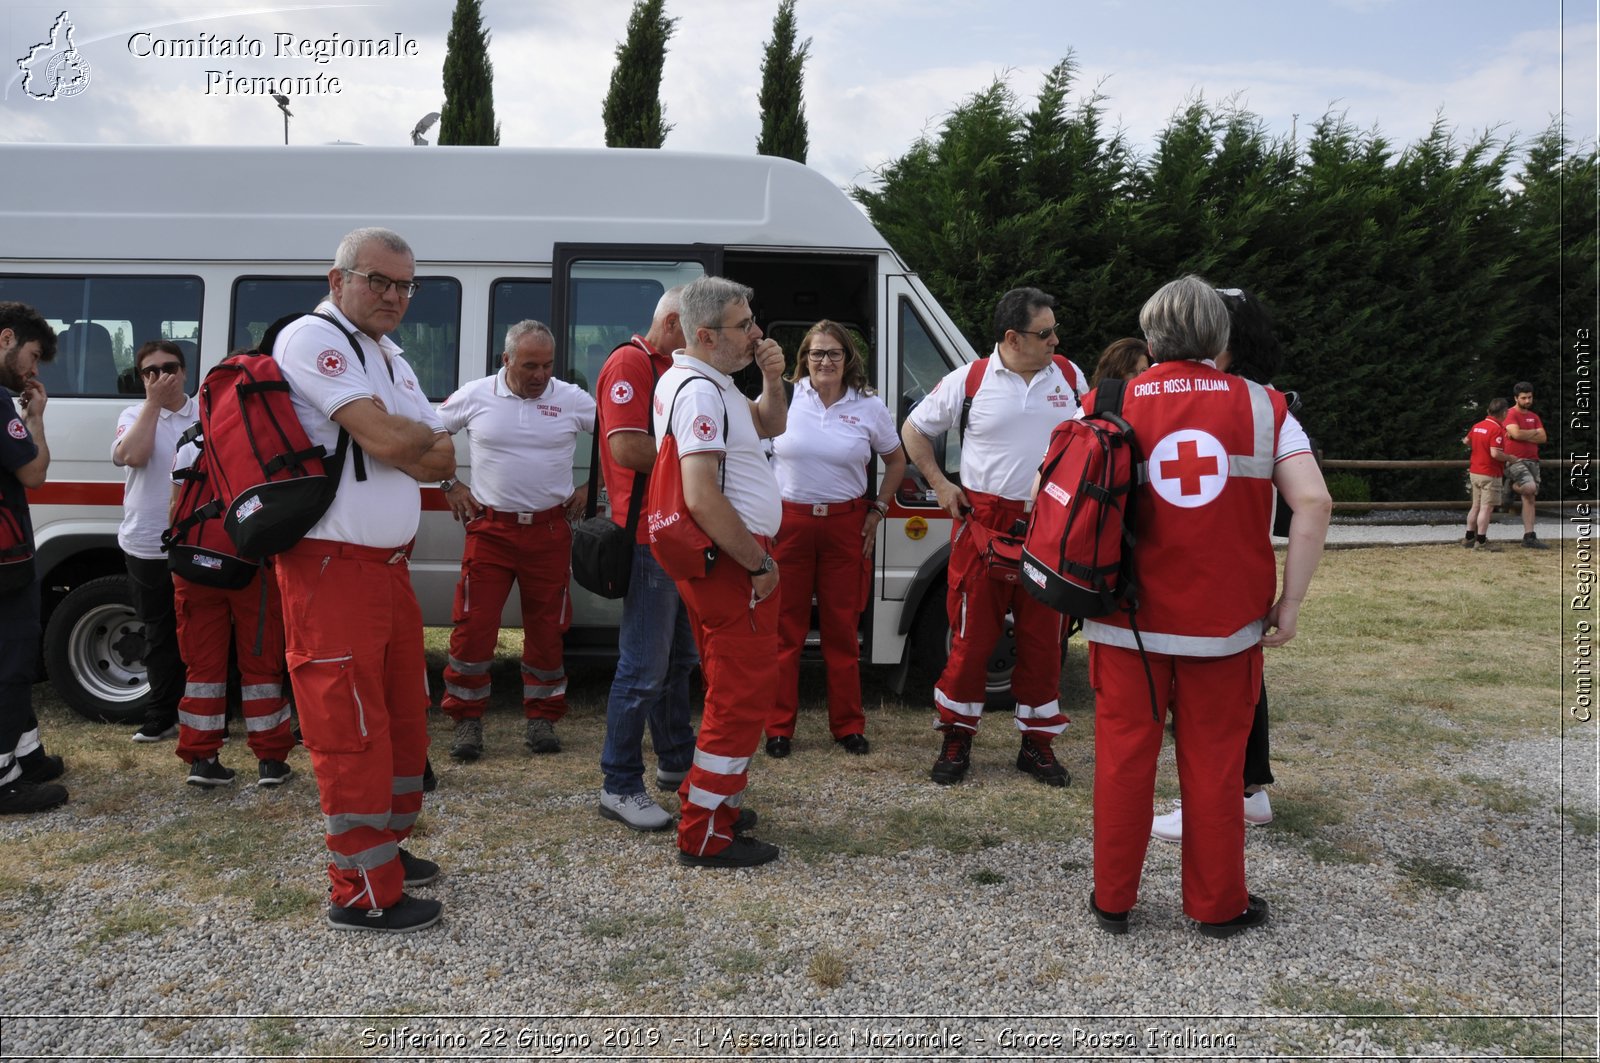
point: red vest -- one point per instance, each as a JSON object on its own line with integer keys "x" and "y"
{"x": 1202, "y": 513}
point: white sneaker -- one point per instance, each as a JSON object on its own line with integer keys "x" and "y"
{"x": 637, "y": 811}
{"x": 1257, "y": 808}
{"x": 1169, "y": 828}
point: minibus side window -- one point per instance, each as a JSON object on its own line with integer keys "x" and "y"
{"x": 922, "y": 366}
{"x": 430, "y": 334}
{"x": 100, "y": 322}
{"x": 511, "y": 301}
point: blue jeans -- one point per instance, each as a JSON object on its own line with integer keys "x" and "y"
{"x": 656, "y": 653}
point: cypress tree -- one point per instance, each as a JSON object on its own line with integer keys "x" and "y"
{"x": 783, "y": 119}
{"x": 468, "y": 113}
{"x": 633, "y": 113}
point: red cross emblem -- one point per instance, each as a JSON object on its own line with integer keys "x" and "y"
{"x": 1189, "y": 468}
{"x": 705, "y": 428}
{"x": 330, "y": 363}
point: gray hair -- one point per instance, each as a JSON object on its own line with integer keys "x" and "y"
{"x": 671, "y": 302}
{"x": 1186, "y": 318}
{"x": 703, "y": 302}
{"x": 515, "y": 333}
{"x": 350, "y": 247}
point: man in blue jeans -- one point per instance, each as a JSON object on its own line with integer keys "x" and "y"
{"x": 656, "y": 650}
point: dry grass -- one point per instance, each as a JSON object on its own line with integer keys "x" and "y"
{"x": 1402, "y": 656}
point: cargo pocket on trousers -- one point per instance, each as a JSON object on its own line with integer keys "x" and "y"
{"x": 332, "y": 718}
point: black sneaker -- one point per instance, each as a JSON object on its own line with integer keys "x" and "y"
{"x": 954, "y": 758}
{"x": 155, "y": 732}
{"x": 430, "y": 781}
{"x": 1253, "y": 915}
{"x": 746, "y": 822}
{"x": 856, "y": 744}
{"x": 779, "y": 746}
{"x": 19, "y": 797}
{"x": 419, "y": 872}
{"x": 39, "y": 766}
{"x": 272, "y": 773}
{"x": 741, "y": 852}
{"x": 210, "y": 772}
{"x": 405, "y": 915}
{"x": 1110, "y": 922}
{"x": 541, "y": 736}
{"x": 1039, "y": 760}
{"x": 1531, "y": 541}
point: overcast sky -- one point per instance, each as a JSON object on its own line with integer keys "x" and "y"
{"x": 881, "y": 71}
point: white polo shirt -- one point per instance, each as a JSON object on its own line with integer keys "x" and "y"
{"x": 147, "y": 493}
{"x": 323, "y": 374}
{"x": 698, "y": 417}
{"x": 521, "y": 448}
{"x": 1008, "y": 429}
{"x": 822, "y": 455}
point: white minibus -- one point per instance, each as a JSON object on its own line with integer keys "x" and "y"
{"x": 206, "y": 246}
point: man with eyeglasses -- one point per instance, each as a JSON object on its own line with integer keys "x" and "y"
{"x": 732, "y": 494}
{"x": 352, "y": 627}
{"x": 1025, "y": 391}
{"x": 145, "y": 444}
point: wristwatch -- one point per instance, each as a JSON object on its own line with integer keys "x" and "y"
{"x": 767, "y": 565}
{"x": 446, "y": 485}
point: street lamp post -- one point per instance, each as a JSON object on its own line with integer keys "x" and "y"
{"x": 423, "y": 125}
{"x": 283, "y": 105}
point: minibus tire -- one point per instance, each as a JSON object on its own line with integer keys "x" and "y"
{"x": 930, "y": 649}
{"x": 94, "y": 652}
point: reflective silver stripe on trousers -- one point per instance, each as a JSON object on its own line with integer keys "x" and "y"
{"x": 367, "y": 859}
{"x": 721, "y": 765}
{"x": 1038, "y": 712}
{"x": 550, "y": 683}
{"x": 706, "y": 799}
{"x": 27, "y": 743}
{"x": 266, "y": 723}
{"x": 203, "y": 723}
{"x": 341, "y": 822}
{"x": 407, "y": 784}
{"x": 261, "y": 691}
{"x": 205, "y": 690}
{"x": 1175, "y": 645}
{"x": 466, "y": 693}
{"x": 973, "y": 709}
{"x": 1257, "y": 466}
{"x": 403, "y": 822}
{"x": 544, "y": 692}
{"x": 469, "y": 667}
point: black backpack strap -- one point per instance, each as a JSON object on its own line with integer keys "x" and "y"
{"x": 722, "y": 482}
{"x": 270, "y": 337}
{"x": 641, "y": 480}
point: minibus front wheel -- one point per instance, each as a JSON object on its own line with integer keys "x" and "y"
{"x": 94, "y": 651}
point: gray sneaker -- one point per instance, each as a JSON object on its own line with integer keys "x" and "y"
{"x": 636, "y": 811}
{"x": 468, "y": 743}
{"x": 542, "y": 736}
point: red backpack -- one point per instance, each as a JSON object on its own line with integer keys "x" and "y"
{"x": 680, "y": 546}
{"x": 1078, "y": 551}
{"x": 197, "y": 547}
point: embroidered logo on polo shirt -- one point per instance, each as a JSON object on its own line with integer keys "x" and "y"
{"x": 622, "y": 393}
{"x": 331, "y": 363}
{"x": 121, "y": 428}
{"x": 17, "y": 430}
{"x": 411, "y": 385}
{"x": 705, "y": 428}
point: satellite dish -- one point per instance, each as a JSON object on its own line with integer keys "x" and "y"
{"x": 424, "y": 124}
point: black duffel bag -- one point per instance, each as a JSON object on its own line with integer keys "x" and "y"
{"x": 602, "y": 549}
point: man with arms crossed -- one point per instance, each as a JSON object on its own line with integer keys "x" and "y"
{"x": 352, "y": 627}
{"x": 1524, "y": 433}
{"x": 732, "y": 494}
{"x": 655, "y": 644}
{"x": 523, "y": 424}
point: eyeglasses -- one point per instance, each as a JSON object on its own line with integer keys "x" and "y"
{"x": 380, "y": 284}
{"x": 150, "y": 372}
{"x": 1042, "y": 334}
{"x": 746, "y": 325}
{"x": 1232, "y": 293}
{"x": 819, "y": 356}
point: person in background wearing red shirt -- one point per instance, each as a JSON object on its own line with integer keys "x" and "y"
{"x": 1524, "y": 433}
{"x": 1486, "y": 438}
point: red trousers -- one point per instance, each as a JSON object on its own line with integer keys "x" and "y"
{"x": 821, "y": 554}
{"x": 1215, "y": 698}
{"x": 353, "y": 635}
{"x": 976, "y": 606}
{"x": 738, "y": 655}
{"x": 211, "y": 619}
{"x": 536, "y": 554}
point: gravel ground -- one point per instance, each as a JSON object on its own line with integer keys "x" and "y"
{"x": 542, "y": 947}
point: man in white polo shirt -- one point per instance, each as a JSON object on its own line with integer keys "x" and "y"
{"x": 523, "y": 424}
{"x": 732, "y": 494}
{"x": 1022, "y": 396}
{"x": 145, "y": 444}
{"x": 352, "y": 627}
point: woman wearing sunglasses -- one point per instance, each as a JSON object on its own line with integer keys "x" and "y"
{"x": 837, "y": 428}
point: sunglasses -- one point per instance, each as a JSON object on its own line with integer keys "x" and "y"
{"x": 1042, "y": 334}
{"x": 150, "y": 372}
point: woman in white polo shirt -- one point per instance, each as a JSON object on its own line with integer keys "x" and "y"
{"x": 837, "y": 428}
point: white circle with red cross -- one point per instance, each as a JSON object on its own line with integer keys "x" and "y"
{"x": 1189, "y": 468}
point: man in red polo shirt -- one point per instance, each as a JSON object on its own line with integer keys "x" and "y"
{"x": 1486, "y": 438}
{"x": 1524, "y": 433}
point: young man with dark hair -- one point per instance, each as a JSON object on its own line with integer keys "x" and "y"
{"x": 26, "y": 770}
{"x": 1487, "y": 439}
{"x": 1524, "y": 432}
